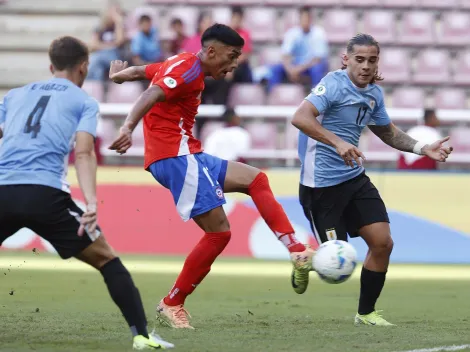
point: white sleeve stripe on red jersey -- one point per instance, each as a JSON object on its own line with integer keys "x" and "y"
{"x": 169, "y": 69}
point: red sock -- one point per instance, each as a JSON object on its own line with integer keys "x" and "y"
{"x": 197, "y": 266}
{"x": 273, "y": 214}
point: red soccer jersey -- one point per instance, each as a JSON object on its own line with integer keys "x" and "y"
{"x": 168, "y": 125}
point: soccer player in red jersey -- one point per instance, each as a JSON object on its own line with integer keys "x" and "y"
{"x": 198, "y": 180}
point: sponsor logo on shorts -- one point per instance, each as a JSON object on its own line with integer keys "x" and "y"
{"x": 219, "y": 192}
{"x": 331, "y": 234}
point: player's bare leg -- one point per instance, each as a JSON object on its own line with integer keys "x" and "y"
{"x": 170, "y": 310}
{"x": 123, "y": 292}
{"x": 378, "y": 238}
{"x": 246, "y": 179}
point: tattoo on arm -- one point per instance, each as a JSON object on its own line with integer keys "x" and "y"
{"x": 394, "y": 137}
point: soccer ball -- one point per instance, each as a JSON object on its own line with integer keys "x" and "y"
{"x": 335, "y": 261}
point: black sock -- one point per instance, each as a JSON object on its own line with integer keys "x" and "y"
{"x": 125, "y": 295}
{"x": 372, "y": 283}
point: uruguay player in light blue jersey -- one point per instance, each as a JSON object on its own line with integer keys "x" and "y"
{"x": 40, "y": 122}
{"x": 337, "y": 197}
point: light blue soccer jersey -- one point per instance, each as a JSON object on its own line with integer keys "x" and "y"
{"x": 344, "y": 110}
{"x": 39, "y": 122}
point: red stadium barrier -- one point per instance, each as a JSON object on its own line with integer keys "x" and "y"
{"x": 143, "y": 220}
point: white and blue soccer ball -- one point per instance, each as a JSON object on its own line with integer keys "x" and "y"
{"x": 335, "y": 261}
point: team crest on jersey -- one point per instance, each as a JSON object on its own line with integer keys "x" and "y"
{"x": 170, "y": 82}
{"x": 319, "y": 89}
{"x": 372, "y": 104}
{"x": 219, "y": 192}
{"x": 331, "y": 234}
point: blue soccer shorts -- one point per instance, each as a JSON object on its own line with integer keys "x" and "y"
{"x": 196, "y": 182}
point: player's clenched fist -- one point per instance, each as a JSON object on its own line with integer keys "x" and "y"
{"x": 350, "y": 153}
{"x": 123, "y": 142}
{"x": 115, "y": 67}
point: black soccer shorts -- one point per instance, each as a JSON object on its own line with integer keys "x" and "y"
{"x": 336, "y": 211}
{"x": 49, "y": 212}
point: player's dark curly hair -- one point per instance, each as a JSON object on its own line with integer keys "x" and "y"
{"x": 67, "y": 52}
{"x": 362, "y": 39}
{"x": 223, "y": 34}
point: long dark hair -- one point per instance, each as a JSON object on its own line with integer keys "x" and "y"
{"x": 362, "y": 39}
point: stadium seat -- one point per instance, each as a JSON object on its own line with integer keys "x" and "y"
{"x": 289, "y": 19}
{"x": 270, "y": 55}
{"x": 107, "y": 131}
{"x": 464, "y": 4}
{"x": 286, "y": 94}
{"x": 247, "y": 94}
{"x": 187, "y": 14}
{"x": 291, "y": 137}
{"x": 158, "y": 2}
{"x": 322, "y": 3}
{"x": 263, "y": 135}
{"x": 95, "y": 89}
{"x": 460, "y": 137}
{"x": 208, "y": 128}
{"x": 284, "y": 2}
{"x": 261, "y": 22}
{"x": 395, "y": 65}
{"x": 244, "y": 2}
{"x": 382, "y": 24}
{"x": 450, "y": 99}
{"x": 124, "y": 93}
{"x": 222, "y": 14}
{"x": 339, "y": 25}
{"x": 361, "y": 3}
{"x": 138, "y": 135}
{"x": 438, "y": 4}
{"x": 418, "y": 28}
{"x": 461, "y": 75}
{"x": 432, "y": 67}
{"x": 408, "y": 98}
{"x": 398, "y": 3}
{"x": 455, "y": 29}
{"x": 203, "y": 2}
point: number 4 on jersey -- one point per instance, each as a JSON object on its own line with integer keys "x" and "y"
{"x": 35, "y": 116}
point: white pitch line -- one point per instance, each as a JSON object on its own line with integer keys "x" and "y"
{"x": 441, "y": 348}
{"x": 223, "y": 268}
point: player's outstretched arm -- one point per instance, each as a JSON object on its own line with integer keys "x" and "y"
{"x": 305, "y": 119}
{"x": 85, "y": 164}
{"x": 120, "y": 73}
{"x": 154, "y": 94}
{"x": 396, "y": 138}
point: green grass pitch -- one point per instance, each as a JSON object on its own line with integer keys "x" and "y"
{"x": 57, "y": 306}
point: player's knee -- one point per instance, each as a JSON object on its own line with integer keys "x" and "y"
{"x": 259, "y": 180}
{"x": 221, "y": 225}
{"x": 383, "y": 248}
{"x": 97, "y": 254}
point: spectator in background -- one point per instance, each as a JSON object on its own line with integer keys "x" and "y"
{"x": 145, "y": 45}
{"x": 427, "y": 133}
{"x": 106, "y": 42}
{"x": 230, "y": 142}
{"x": 193, "y": 44}
{"x": 305, "y": 53}
{"x": 243, "y": 72}
{"x": 176, "y": 43}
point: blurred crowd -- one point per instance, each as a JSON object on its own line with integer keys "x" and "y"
{"x": 304, "y": 50}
